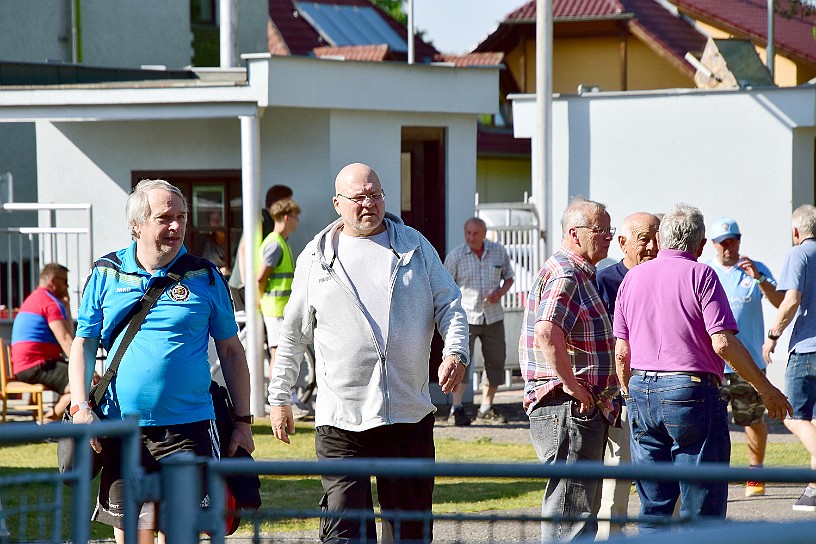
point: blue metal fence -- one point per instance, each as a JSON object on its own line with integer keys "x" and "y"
{"x": 42, "y": 519}
{"x": 59, "y": 514}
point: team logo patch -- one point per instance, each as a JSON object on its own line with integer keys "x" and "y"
{"x": 179, "y": 293}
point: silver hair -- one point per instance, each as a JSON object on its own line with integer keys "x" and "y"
{"x": 137, "y": 208}
{"x": 804, "y": 220}
{"x": 476, "y": 221}
{"x": 579, "y": 213}
{"x": 683, "y": 228}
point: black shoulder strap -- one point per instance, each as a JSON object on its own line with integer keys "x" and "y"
{"x": 134, "y": 320}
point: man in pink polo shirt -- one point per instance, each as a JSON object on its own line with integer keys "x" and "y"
{"x": 674, "y": 327}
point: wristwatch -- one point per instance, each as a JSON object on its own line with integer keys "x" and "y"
{"x": 773, "y": 336}
{"x": 761, "y": 278}
{"x": 84, "y": 405}
{"x": 459, "y": 357}
{"x": 250, "y": 419}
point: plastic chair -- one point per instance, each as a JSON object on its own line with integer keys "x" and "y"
{"x": 11, "y": 387}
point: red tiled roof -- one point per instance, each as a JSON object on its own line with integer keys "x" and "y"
{"x": 297, "y": 36}
{"x": 472, "y": 59}
{"x": 570, "y": 9}
{"x": 370, "y": 53}
{"x": 669, "y": 35}
{"x": 749, "y": 18}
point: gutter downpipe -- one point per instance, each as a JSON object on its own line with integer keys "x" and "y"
{"x": 226, "y": 27}
{"x": 251, "y": 191}
{"x": 770, "y": 51}
{"x": 542, "y": 143}
{"x": 74, "y": 7}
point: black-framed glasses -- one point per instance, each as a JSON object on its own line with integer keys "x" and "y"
{"x": 361, "y": 199}
{"x": 606, "y": 231}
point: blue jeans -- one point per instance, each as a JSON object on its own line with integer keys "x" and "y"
{"x": 560, "y": 433}
{"x": 680, "y": 420}
{"x": 800, "y": 384}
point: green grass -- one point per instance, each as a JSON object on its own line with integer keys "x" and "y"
{"x": 451, "y": 495}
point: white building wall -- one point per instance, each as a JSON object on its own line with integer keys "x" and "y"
{"x": 124, "y": 33}
{"x": 80, "y": 156}
{"x": 253, "y": 17}
{"x": 749, "y": 155}
{"x": 35, "y": 31}
{"x": 295, "y": 152}
{"x": 301, "y": 148}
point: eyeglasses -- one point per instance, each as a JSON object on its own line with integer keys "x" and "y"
{"x": 607, "y": 231}
{"x": 361, "y": 199}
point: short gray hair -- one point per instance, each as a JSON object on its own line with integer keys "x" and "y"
{"x": 476, "y": 221}
{"x": 137, "y": 208}
{"x": 683, "y": 228}
{"x": 578, "y": 213}
{"x": 804, "y": 220}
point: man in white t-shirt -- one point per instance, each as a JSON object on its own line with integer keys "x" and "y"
{"x": 369, "y": 291}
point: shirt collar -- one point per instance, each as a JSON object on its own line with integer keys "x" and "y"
{"x": 578, "y": 261}
{"x": 129, "y": 261}
{"x": 675, "y": 254}
{"x": 484, "y": 247}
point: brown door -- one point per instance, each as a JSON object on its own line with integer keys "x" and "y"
{"x": 423, "y": 174}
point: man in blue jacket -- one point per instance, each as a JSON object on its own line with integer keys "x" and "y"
{"x": 369, "y": 291}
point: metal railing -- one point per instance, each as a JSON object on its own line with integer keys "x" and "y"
{"x": 516, "y": 527}
{"x": 516, "y": 227}
{"x": 25, "y": 249}
{"x": 42, "y": 509}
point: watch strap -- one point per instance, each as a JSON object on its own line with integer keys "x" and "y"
{"x": 84, "y": 405}
{"x": 250, "y": 419}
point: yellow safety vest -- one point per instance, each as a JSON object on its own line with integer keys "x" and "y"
{"x": 279, "y": 285}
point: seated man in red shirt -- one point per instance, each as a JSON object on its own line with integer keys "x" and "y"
{"x": 41, "y": 337}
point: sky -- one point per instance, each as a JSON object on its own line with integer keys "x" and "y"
{"x": 457, "y": 26}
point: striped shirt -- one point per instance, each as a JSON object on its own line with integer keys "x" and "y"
{"x": 564, "y": 293}
{"x": 477, "y": 277}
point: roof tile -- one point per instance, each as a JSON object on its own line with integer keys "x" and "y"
{"x": 369, "y": 53}
{"x": 570, "y": 9}
{"x": 749, "y": 18}
{"x": 472, "y": 59}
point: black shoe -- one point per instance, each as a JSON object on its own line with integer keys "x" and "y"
{"x": 491, "y": 417}
{"x": 806, "y": 503}
{"x": 458, "y": 417}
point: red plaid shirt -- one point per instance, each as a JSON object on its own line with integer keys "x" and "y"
{"x": 564, "y": 293}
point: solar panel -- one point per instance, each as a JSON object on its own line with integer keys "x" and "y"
{"x": 350, "y": 25}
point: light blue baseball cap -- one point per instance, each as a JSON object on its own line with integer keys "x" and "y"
{"x": 724, "y": 228}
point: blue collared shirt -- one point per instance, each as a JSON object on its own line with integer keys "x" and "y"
{"x": 164, "y": 376}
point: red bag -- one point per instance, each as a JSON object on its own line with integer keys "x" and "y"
{"x": 233, "y": 520}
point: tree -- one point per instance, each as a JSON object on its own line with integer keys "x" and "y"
{"x": 393, "y": 8}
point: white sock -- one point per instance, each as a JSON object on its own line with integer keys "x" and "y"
{"x": 810, "y": 491}
{"x": 485, "y": 407}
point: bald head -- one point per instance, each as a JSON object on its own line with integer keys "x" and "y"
{"x": 638, "y": 238}
{"x": 355, "y": 173}
{"x": 355, "y": 182}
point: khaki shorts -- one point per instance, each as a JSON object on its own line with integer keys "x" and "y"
{"x": 746, "y": 406}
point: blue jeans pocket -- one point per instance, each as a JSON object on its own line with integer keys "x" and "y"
{"x": 685, "y": 420}
{"x": 544, "y": 435}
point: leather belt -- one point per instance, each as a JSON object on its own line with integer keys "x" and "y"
{"x": 707, "y": 376}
